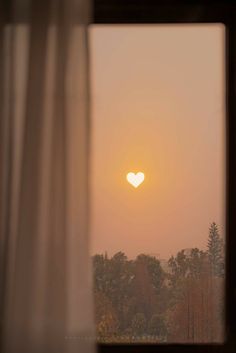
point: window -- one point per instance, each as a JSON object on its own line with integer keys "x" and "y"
{"x": 112, "y": 14}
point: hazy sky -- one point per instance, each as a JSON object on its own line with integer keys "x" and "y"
{"x": 157, "y": 107}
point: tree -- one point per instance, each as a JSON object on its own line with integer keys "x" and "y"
{"x": 121, "y": 278}
{"x": 103, "y": 307}
{"x": 148, "y": 283}
{"x": 195, "y": 311}
{"x": 215, "y": 251}
{"x": 139, "y": 324}
{"x": 100, "y": 272}
{"x": 107, "y": 327}
{"x": 179, "y": 264}
{"x": 155, "y": 271}
{"x": 157, "y": 326}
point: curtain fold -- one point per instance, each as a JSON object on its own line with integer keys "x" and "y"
{"x": 45, "y": 274}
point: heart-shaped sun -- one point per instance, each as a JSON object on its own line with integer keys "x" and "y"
{"x": 135, "y": 179}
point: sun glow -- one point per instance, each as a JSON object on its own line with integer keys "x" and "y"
{"x": 135, "y": 179}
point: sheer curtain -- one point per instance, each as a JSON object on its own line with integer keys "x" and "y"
{"x": 45, "y": 275}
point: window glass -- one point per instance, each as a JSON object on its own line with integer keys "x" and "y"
{"x": 158, "y": 182}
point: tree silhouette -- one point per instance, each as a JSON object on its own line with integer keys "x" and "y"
{"x": 139, "y": 324}
{"x": 215, "y": 251}
{"x": 184, "y": 303}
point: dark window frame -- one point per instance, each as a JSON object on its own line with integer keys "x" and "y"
{"x": 195, "y": 11}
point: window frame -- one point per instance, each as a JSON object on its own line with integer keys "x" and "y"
{"x": 186, "y": 12}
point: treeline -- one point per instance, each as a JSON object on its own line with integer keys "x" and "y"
{"x": 137, "y": 300}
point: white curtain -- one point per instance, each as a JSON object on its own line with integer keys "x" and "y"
{"x": 45, "y": 274}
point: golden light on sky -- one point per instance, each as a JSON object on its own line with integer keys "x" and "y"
{"x": 135, "y": 179}
{"x": 158, "y": 107}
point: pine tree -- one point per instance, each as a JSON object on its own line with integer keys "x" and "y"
{"x": 215, "y": 251}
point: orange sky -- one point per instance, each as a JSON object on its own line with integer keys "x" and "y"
{"x": 157, "y": 107}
